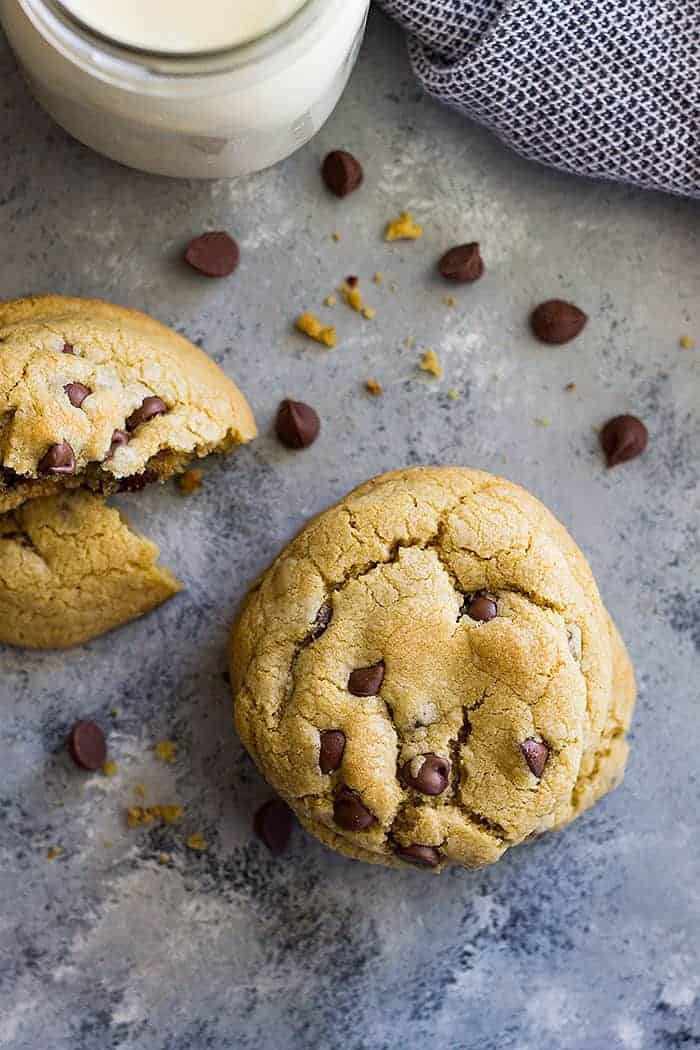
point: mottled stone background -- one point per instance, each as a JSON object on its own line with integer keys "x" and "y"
{"x": 585, "y": 939}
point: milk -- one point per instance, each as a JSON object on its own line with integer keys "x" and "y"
{"x": 182, "y": 26}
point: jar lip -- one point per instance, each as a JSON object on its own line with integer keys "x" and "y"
{"x": 127, "y": 67}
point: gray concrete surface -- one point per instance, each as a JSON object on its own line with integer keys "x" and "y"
{"x": 588, "y": 939}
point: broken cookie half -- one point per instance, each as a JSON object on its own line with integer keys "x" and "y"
{"x": 94, "y": 399}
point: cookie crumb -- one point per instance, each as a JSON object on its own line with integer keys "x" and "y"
{"x": 369, "y": 312}
{"x": 164, "y": 858}
{"x": 570, "y": 387}
{"x": 373, "y": 387}
{"x": 335, "y": 237}
{"x": 330, "y": 300}
{"x": 686, "y": 342}
{"x": 453, "y": 394}
{"x": 311, "y": 326}
{"x": 403, "y": 229}
{"x": 196, "y": 841}
{"x": 190, "y": 481}
{"x": 378, "y": 277}
{"x": 449, "y": 300}
{"x": 430, "y": 362}
{"x": 114, "y": 713}
{"x": 110, "y": 768}
{"x": 543, "y": 421}
{"x": 352, "y": 295}
{"x": 140, "y": 790}
{"x": 166, "y": 751}
{"x": 143, "y": 816}
{"x": 53, "y": 852}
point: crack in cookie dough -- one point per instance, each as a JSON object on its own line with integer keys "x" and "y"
{"x": 395, "y": 562}
{"x": 124, "y": 373}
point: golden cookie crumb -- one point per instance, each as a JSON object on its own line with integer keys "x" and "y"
{"x": 143, "y": 816}
{"x": 430, "y": 362}
{"x": 166, "y": 751}
{"x": 453, "y": 394}
{"x": 687, "y": 342}
{"x": 110, "y": 768}
{"x": 53, "y": 852}
{"x": 378, "y": 277}
{"x": 369, "y": 313}
{"x": 164, "y": 858}
{"x": 330, "y": 300}
{"x": 335, "y": 237}
{"x": 449, "y": 300}
{"x": 311, "y": 326}
{"x": 196, "y": 841}
{"x": 190, "y": 481}
{"x": 570, "y": 387}
{"x": 140, "y": 790}
{"x": 403, "y": 229}
{"x": 374, "y": 387}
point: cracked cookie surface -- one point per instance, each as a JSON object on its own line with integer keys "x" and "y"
{"x": 98, "y": 396}
{"x": 427, "y": 674}
{"x": 71, "y": 569}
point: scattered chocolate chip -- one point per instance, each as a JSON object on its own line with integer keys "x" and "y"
{"x": 341, "y": 172}
{"x": 323, "y": 618}
{"x": 556, "y": 322}
{"x": 213, "y": 254}
{"x": 423, "y": 856}
{"x": 77, "y": 392}
{"x": 68, "y": 348}
{"x": 297, "y": 425}
{"x": 273, "y": 823}
{"x": 87, "y": 745}
{"x": 536, "y": 754}
{"x": 137, "y": 482}
{"x": 462, "y": 263}
{"x": 366, "y": 681}
{"x": 59, "y": 460}
{"x": 352, "y": 281}
{"x": 349, "y": 811}
{"x": 481, "y": 607}
{"x": 623, "y": 438}
{"x": 149, "y": 408}
{"x": 429, "y": 774}
{"x": 119, "y": 438}
{"x": 331, "y": 751}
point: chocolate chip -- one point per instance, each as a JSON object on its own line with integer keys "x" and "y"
{"x": 213, "y": 254}
{"x": 137, "y": 482}
{"x": 536, "y": 754}
{"x": 297, "y": 424}
{"x": 423, "y": 856}
{"x": 462, "y": 263}
{"x": 349, "y": 811}
{"x": 273, "y": 823}
{"x": 59, "y": 460}
{"x": 119, "y": 438}
{"x": 556, "y": 322}
{"x": 68, "y": 348}
{"x": 366, "y": 681}
{"x": 148, "y": 409}
{"x": 481, "y": 607}
{"x": 342, "y": 173}
{"x": 323, "y": 618}
{"x": 352, "y": 281}
{"x": 623, "y": 438}
{"x": 77, "y": 392}
{"x": 87, "y": 745}
{"x": 429, "y": 774}
{"x": 331, "y": 751}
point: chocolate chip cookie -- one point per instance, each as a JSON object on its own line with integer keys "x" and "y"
{"x": 100, "y": 397}
{"x": 71, "y": 569}
{"x": 427, "y": 674}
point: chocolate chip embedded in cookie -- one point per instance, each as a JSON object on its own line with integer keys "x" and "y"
{"x": 60, "y": 355}
{"x": 467, "y": 693}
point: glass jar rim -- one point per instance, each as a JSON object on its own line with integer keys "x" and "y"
{"x": 133, "y": 69}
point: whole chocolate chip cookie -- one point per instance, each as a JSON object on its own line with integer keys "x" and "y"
{"x": 71, "y": 569}
{"x": 427, "y": 674}
{"x": 94, "y": 395}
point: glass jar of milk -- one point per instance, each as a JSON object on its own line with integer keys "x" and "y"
{"x": 192, "y": 88}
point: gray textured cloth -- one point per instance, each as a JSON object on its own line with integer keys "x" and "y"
{"x": 608, "y": 88}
